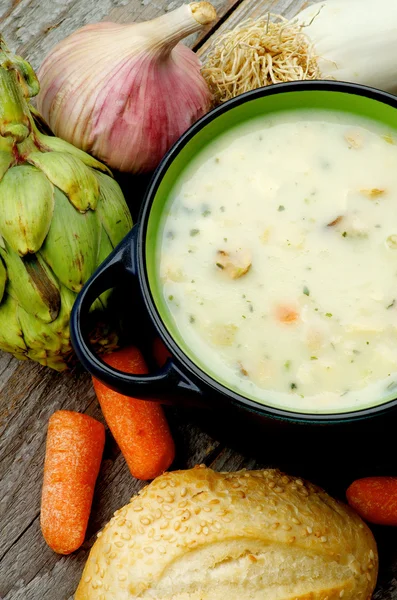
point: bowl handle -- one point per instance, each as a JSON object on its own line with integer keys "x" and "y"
{"x": 168, "y": 384}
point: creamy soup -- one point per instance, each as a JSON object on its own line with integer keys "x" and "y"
{"x": 278, "y": 260}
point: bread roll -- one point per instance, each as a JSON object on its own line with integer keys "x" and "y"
{"x": 250, "y": 535}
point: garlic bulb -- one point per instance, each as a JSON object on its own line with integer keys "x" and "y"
{"x": 125, "y": 93}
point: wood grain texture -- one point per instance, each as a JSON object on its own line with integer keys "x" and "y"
{"x": 33, "y": 27}
{"x": 29, "y": 394}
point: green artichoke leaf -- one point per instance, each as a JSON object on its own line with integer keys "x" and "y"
{"x": 40, "y": 125}
{"x": 7, "y": 144}
{"x": 32, "y": 285}
{"x": 3, "y": 279}
{"x": 26, "y": 208}
{"x": 112, "y": 209}
{"x": 28, "y": 78}
{"x": 53, "y": 361}
{"x": 61, "y": 325}
{"x": 72, "y": 244}
{"x": 51, "y": 237}
{"x": 49, "y": 343}
{"x": 15, "y": 122}
{"x": 55, "y": 144}
{"x": 6, "y": 160}
{"x": 48, "y": 336}
{"x": 105, "y": 248}
{"x": 38, "y": 335}
{"x": 69, "y": 174}
{"x": 11, "y": 337}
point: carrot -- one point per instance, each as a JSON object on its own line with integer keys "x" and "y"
{"x": 73, "y": 456}
{"x": 138, "y": 426}
{"x": 375, "y": 499}
{"x": 160, "y": 352}
{"x": 286, "y": 314}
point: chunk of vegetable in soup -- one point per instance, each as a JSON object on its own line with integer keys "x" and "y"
{"x": 278, "y": 260}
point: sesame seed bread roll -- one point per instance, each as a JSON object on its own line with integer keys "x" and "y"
{"x": 250, "y": 535}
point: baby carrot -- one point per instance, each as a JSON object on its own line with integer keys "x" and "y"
{"x": 138, "y": 426}
{"x": 74, "y": 450}
{"x": 160, "y": 352}
{"x": 375, "y": 499}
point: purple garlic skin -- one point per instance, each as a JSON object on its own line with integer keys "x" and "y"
{"x": 125, "y": 93}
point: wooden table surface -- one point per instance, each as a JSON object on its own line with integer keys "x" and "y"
{"x": 29, "y": 394}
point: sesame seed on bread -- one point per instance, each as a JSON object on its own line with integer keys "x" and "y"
{"x": 252, "y": 535}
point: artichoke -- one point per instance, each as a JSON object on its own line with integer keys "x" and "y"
{"x": 61, "y": 214}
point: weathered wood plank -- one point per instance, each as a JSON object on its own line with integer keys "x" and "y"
{"x": 29, "y": 394}
{"x": 32, "y": 395}
{"x": 125, "y": 14}
{"x": 32, "y": 28}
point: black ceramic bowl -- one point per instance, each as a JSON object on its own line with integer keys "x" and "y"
{"x": 182, "y": 380}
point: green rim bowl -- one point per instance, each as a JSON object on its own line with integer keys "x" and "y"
{"x": 183, "y": 378}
